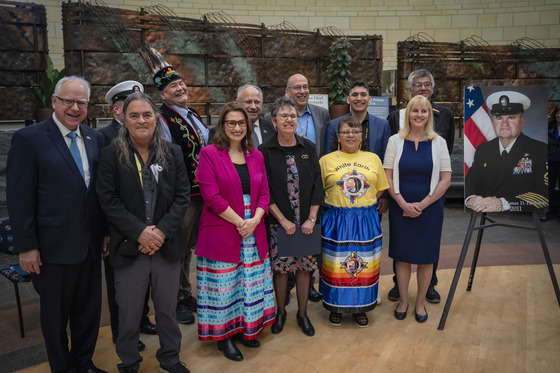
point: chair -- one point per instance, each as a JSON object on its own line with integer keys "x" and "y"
{"x": 12, "y": 272}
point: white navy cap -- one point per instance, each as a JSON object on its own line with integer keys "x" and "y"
{"x": 122, "y": 90}
{"x": 507, "y": 102}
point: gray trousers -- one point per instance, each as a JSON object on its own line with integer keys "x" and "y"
{"x": 189, "y": 236}
{"x": 131, "y": 284}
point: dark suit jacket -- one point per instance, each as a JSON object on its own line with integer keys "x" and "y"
{"x": 50, "y": 207}
{"x": 221, "y": 188}
{"x": 321, "y": 118}
{"x": 490, "y": 176}
{"x": 379, "y": 133}
{"x": 267, "y": 130}
{"x": 444, "y": 123}
{"x": 111, "y": 131}
{"x": 122, "y": 199}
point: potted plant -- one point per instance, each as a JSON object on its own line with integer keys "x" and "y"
{"x": 45, "y": 89}
{"x": 339, "y": 75}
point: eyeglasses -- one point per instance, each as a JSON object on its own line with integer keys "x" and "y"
{"x": 68, "y": 102}
{"x": 286, "y": 116}
{"x": 353, "y": 132}
{"x": 420, "y": 84}
{"x": 252, "y": 102}
{"x": 300, "y": 87}
{"x": 232, "y": 123}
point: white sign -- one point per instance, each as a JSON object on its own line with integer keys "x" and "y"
{"x": 319, "y": 100}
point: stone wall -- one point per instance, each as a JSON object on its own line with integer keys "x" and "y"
{"x": 498, "y": 22}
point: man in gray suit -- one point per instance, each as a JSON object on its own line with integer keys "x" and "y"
{"x": 312, "y": 120}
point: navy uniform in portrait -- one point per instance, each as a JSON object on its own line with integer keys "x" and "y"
{"x": 58, "y": 223}
{"x": 509, "y": 171}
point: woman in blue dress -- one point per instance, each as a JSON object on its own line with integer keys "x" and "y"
{"x": 418, "y": 170}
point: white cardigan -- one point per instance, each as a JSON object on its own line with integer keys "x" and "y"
{"x": 440, "y": 159}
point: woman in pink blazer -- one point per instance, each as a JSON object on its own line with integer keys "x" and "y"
{"x": 234, "y": 278}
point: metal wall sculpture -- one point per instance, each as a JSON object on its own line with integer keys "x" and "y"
{"x": 215, "y": 55}
{"x": 23, "y": 56}
{"x": 473, "y": 61}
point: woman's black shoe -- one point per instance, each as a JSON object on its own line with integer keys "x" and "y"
{"x": 305, "y": 325}
{"x": 422, "y": 318}
{"x": 253, "y": 343}
{"x": 230, "y": 350}
{"x": 401, "y": 315}
{"x": 278, "y": 323}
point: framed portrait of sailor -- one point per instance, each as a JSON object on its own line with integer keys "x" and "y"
{"x": 505, "y": 148}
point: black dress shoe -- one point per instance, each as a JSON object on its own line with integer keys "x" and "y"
{"x": 190, "y": 303}
{"x": 401, "y": 315}
{"x": 148, "y": 328}
{"x": 432, "y": 295}
{"x": 422, "y": 318}
{"x": 230, "y": 350}
{"x": 305, "y": 325}
{"x": 141, "y": 346}
{"x": 251, "y": 343}
{"x": 184, "y": 316}
{"x": 93, "y": 369}
{"x": 314, "y": 296}
{"x": 278, "y": 323}
{"x": 394, "y": 294}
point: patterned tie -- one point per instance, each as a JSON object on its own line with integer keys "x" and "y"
{"x": 76, "y": 152}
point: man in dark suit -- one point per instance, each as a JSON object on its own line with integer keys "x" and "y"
{"x": 59, "y": 225}
{"x": 251, "y": 97}
{"x": 421, "y": 82}
{"x": 116, "y": 97}
{"x": 508, "y": 172}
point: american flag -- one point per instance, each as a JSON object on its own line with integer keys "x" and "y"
{"x": 478, "y": 125}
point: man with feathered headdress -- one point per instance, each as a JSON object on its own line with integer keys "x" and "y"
{"x": 187, "y": 130}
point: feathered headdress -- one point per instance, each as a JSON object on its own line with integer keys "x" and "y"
{"x": 162, "y": 72}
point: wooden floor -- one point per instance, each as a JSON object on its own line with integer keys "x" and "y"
{"x": 509, "y": 322}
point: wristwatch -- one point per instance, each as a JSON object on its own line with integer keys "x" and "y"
{"x": 312, "y": 220}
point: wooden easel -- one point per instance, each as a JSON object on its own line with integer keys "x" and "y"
{"x": 483, "y": 225}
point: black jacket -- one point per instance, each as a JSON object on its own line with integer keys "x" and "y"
{"x": 444, "y": 123}
{"x": 122, "y": 199}
{"x": 310, "y": 182}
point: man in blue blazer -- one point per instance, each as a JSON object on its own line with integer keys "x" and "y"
{"x": 375, "y": 131}
{"x": 59, "y": 225}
